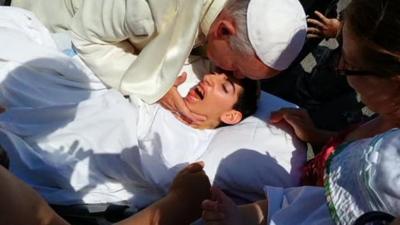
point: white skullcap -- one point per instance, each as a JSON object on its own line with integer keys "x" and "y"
{"x": 277, "y": 31}
{"x": 211, "y": 10}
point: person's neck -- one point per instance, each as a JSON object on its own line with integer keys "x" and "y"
{"x": 371, "y": 128}
{"x": 205, "y": 125}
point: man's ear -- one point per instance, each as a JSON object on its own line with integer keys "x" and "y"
{"x": 231, "y": 117}
{"x": 224, "y": 29}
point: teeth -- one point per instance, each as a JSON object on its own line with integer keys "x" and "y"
{"x": 199, "y": 93}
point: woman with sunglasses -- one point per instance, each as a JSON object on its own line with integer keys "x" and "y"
{"x": 359, "y": 168}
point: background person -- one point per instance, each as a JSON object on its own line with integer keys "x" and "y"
{"x": 362, "y": 174}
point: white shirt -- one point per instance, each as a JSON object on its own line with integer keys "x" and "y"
{"x": 102, "y": 149}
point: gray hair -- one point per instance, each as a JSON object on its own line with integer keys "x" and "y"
{"x": 240, "y": 42}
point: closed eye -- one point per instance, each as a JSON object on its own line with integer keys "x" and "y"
{"x": 225, "y": 89}
{"x": 228, "y": 87}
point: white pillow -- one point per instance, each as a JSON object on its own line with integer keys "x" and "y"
{"x": 241, "y": 159}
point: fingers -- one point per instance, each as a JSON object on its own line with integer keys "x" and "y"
{"x": 209, "y": 205}
{"x": 316, "y": 23}
{"x": 218, "y": 195}
{"x": 174, "y": 102}
{"x": 313, "y": 36}
{"x": 280, "y": 115}
{"x": 188, "y": 115}
{"x": 313, "y": 30}
{"x": 322, "y": 17}
{"x": 293, "y": 120}
{"x": 212, "y": 216}
{"x": 195, "y": 167}
{"x": 276, "y": 117}
{"x": 180, "y": 79}
{"x": 211, "y": 211}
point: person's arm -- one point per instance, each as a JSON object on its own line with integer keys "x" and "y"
{"x": 21, "y": 205}
{"x": 182, "y": 205}
{"x": 302, "y": 125}
{"x": 140, "y": 47}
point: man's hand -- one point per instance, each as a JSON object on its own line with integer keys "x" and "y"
{"x": 174, "y": 102}
{"x": 323, "y": 27}
{"x": 302, "y": 125}
{"x": 221, "y": 210}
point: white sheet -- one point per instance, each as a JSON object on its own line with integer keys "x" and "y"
{"x": 75, "y": 141}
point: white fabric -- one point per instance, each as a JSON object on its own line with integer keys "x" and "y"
{"x": 239, "y": 155}
{"x": 212, "y": 9}
{"x": 44, "y": 10}
{"x": 297, "y": 206}
{"x": 76, "y": 141}
{"x": 136, "y": 46}
{"x": 247, "y": 156}
{"x": 364, "y": 176}
{"x": 277, "y": 30}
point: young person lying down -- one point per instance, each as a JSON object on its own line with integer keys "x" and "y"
{"x": 75, "y": 141}
{"x": 77, "y": 145}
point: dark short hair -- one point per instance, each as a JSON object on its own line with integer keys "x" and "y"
{"x": 247, "y": 102}
{"x": 248, "y": 98}
{"x": 376, "y": 23}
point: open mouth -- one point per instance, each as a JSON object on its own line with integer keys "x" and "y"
{"x": 196, "y": 94}
{"x": 199, "y": 92}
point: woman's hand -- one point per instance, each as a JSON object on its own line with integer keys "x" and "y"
{"x": 302, "y": 125}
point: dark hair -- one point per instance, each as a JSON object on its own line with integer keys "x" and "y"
{"x": 248, "y": 99}
{"x": 376, "y": 23}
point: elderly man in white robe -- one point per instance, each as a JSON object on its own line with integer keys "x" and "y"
{"x": 139, "y": 46}
{"x": 75, "y": 141}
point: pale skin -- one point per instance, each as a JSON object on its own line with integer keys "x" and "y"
{"x": 174, "y": 102}
{"x": 214, "y": 96}
{"x": 380, "y": 95}
{"x": 21, "y": 205}
{"x": 222, "y": 55}
{"x": 221, "y": 210}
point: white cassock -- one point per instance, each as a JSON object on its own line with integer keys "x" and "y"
{"x": 74, "y": 140}
{"x": 135, "y": 46}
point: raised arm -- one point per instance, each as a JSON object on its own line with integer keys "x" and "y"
{"x": 139, "y": 47}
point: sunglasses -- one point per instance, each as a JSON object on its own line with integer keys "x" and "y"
{"x": 341, "y": 69}
{"x": 347, "y": 72}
